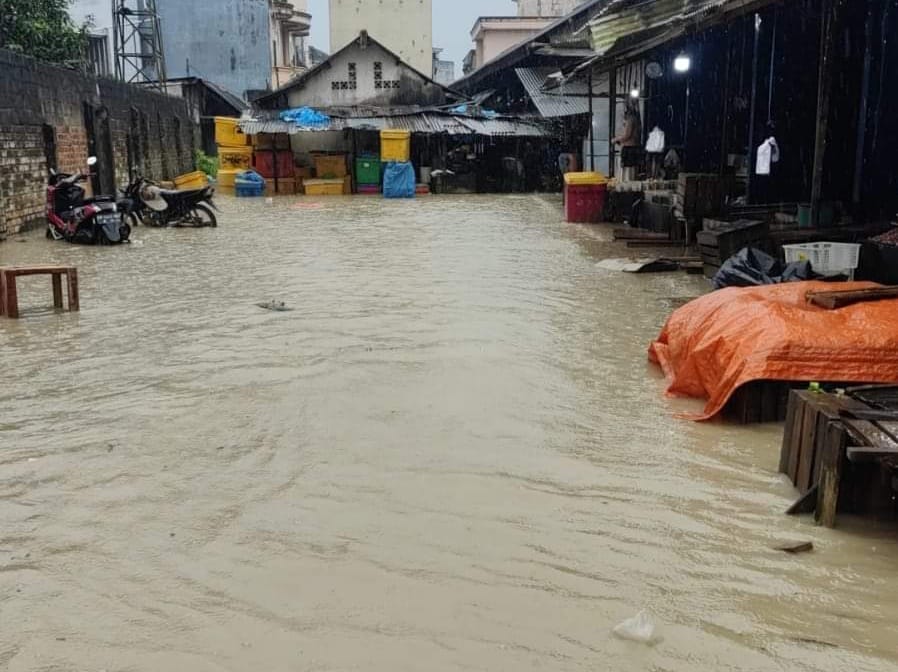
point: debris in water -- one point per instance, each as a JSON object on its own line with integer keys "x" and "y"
{"x": 641, "y": 628}
{"x": 796, "y": 547}
{"x": 276, "y": 306}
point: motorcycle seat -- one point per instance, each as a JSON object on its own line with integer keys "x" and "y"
{"x": 175, "y": 195}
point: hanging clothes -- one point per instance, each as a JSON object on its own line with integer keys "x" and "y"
{"x": 656, "y": 141}
{"x": 768, "y": 154}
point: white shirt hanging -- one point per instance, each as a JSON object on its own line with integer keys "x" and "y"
{"x": 768, "y": 154}
{"x": 656, "y": 141}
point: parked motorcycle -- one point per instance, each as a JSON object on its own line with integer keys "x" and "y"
{"x": 151, "y": 205}
{"x": 76, "y": 219}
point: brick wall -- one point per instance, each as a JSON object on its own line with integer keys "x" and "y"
{"x": 34, "y": 96}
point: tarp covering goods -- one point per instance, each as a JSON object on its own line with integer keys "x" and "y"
{"x": 719, "y": 342}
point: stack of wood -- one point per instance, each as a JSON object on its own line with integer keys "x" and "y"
{"x": 720, "y": 240}
{"x": 698, "y": 195}
{"x": 836, "y": 450}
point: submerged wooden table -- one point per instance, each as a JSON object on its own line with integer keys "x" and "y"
{"x": 9, "y": 297}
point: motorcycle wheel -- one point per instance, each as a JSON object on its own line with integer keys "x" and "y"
{"x": 201, "y": 215}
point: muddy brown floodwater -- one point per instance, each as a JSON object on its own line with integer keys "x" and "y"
{"x": 451, "y": 455}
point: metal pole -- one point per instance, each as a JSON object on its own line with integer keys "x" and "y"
{"x": 612, "y": 121}
{"x": 824, "y": 89}
{"x": 754, "y": 107}
{"x": 862, "y": 113}
{"x": 592, "y": 125}
{"x": 725, "y": 131}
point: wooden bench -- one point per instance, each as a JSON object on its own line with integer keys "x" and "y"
{"x": 9, "y": 296}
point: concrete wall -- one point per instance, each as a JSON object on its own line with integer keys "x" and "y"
{"x": 547, "y": 7}
{"x": 495, "y": 42}
{"x": 330, "y": 87}
{"x": 224, "y": 41}
{"x": 403, "y": 26}
{"x": 50, "y": 100}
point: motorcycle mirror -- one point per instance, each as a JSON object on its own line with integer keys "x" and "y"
{"x": 92, "y": 161}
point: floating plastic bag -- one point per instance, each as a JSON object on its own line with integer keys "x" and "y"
{"x": 641, "y": 628}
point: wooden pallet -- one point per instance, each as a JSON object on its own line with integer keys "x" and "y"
{"x": 834, "y": 457}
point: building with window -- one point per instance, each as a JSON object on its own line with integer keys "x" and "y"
{"x": 403, "y": 26}
{"x": 240, "y": 45}
{"x": 493, "y": 35}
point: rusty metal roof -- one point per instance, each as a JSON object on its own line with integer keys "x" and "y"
{"x": 554, "y": 103}
{"x": 430, "y": 122}
{"x": 622, "y": 23}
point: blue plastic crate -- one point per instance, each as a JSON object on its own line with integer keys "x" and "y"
{"x": 249, "y": 189}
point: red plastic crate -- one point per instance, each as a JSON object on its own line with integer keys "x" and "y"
{"x": 264, "y": 163}
{"x": 584, "y": 204}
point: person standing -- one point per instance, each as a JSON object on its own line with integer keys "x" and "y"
{"x": 630, "y": 141}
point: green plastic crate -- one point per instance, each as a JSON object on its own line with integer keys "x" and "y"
{"x": 367, "y": 171}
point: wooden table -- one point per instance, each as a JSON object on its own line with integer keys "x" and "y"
{"x": 9, "y": 297}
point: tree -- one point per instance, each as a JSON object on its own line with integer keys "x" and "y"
{"x": 42, "y": 29}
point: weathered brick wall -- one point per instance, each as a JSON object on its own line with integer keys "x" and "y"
{"x": 22, "y": 171}
{"x": 34, "y": 95}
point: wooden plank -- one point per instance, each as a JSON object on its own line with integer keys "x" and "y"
{"x": 74, "y": 302}
{"x": 868, "y": 433}
{"x": 656, "y": 243}
{"x": 786, "y": 450}
{"x": 840, "y": 299}
{"x": 12, "y": 296}
{"x": 805, "y": 504}
{"x": 808, "y": 448}
{"x": 797, "y": 438}
{"x": 831, "y": 469}
{"x": 57, "y": 291}
{"x": 870, "y": 453}
{"x": 769, "y": 394}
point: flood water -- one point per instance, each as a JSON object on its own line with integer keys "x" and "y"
{"x": 451, "y": 454}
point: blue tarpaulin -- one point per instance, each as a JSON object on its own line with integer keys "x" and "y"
{"x": 399, "y": 180}
{"x": 306, "y": 117}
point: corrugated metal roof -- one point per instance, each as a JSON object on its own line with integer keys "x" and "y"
{"x": 626, "y": 20}
{"x": 431, "y": 123}
{"x": 553, "y": 104}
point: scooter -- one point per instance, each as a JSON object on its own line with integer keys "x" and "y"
{"x": 153, "y": 206}
{"x": 76, "y": 219}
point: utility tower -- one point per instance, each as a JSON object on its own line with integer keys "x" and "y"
{"x": 139, "y": 57}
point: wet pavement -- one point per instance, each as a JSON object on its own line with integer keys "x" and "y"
{"x": 451, "y": 454}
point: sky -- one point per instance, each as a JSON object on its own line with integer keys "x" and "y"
{"x": 452, "y": 23}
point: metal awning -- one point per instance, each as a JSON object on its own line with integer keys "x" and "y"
{"x": 429, "y": 123}
{"x": 554, "y": 103}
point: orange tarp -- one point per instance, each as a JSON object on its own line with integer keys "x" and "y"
{"x": 717, "y": 343}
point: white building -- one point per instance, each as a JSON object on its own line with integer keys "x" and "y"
{"x": 550, "y": 8}
{"x": 493, "y": 35}
{"x": 403, "y": 26}
{"x": 364, "y": 73}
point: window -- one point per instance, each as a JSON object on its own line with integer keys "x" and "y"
{"x": 351, "y": 84}
{"x": 98, "y": 55}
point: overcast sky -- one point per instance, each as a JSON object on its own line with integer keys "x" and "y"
{"x": 452, "y": 23}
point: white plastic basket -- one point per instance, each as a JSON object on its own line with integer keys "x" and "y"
{"x": 826, "y": 258}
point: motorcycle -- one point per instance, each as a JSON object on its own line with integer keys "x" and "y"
{"x": 151, "y": 205}
{"x": 76, "y": 219}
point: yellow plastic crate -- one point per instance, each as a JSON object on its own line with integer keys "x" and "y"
{"x": 395, "y": 145}
{"x": 235, "y": 158}
{"x": 227, "y": 178}
{"x": 194, "y": 180}
{"x": 581, "y": 179}
{"x": 323, "y": 187}
{"x": 330, "y": 166}
{"x": 227, "y": 134}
